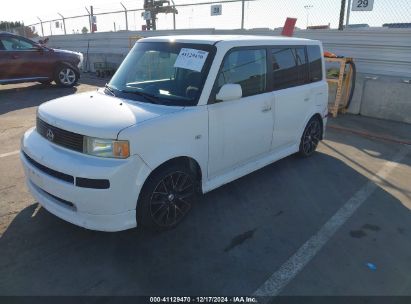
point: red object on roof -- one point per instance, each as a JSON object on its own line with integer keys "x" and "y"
{"x": 289, "y": 25}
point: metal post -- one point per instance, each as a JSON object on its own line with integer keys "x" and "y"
{"x": 174, "y": 14}
{"x": 42, "y": 30}
{"x": 347, "y": 22}
{"x": 342, "y": 11}
{"x": 125, "y": 12}
{"x": 89, "y": 19}
{"x": 307, "y": 8}
{"x": 242, "y": 14}
{"x": 64, "y": 22}
{"x": 92, "y": 19}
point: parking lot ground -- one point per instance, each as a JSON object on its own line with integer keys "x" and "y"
{"x": 338, "y": 223}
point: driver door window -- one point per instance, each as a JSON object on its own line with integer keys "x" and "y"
{"x": 14, "y": 44}
{"x": 247, "y": 68}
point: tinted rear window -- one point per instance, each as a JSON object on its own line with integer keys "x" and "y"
{"x": 289, "y": 67}
{"x": 315, "y": 62}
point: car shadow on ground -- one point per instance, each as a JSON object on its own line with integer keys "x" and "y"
{"x": 92, "y": 79}
{"x": 375, "y": 148}
{"x": 30, "y": 95}
{"x": 230, "y": 244}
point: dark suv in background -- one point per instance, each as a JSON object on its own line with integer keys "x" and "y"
{"x": 23, "y": 60}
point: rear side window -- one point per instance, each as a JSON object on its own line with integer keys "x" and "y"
{"x": 315, "y": 63}
{"x": 289, "y": 67}
{"x": 247, "y": 68}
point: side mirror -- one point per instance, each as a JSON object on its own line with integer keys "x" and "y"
{"x": 229, "y": 91}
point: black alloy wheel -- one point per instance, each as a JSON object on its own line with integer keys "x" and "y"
{"x": 311, "y": 137}
{"x": 172, "y": 199}
{"x": 167, "y": 196}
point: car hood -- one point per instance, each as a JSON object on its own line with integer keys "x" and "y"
{"x": 98, "y": 115}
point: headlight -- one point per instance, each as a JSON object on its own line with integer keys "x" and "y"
{"x": 80, "y": 63}
{"x": 106, "y": 147}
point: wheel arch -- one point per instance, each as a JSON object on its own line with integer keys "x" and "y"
{"x": 309, "y": 117}
{"x": 188, "y": 161}
{"x": 60, "y": 63}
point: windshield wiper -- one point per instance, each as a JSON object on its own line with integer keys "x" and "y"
{"x": 110, "y": 89}
{"x": 151, "y": 98}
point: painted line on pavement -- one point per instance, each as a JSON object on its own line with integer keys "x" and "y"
{"x": 9, "y": 153}
{"x": 296, "y": 263}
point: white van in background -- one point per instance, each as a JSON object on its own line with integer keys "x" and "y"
{"x": 182, "y": 115}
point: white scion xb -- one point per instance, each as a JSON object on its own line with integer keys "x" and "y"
{"x": 182, "y": 115}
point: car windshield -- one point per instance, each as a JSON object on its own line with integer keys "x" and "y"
{"x": 163, "y": 72}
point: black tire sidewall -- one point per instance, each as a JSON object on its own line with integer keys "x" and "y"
{"x": 143, "y": 213}
{"x": 301, "y": 151}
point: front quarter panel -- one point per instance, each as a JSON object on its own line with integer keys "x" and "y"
{"x": 184, "y": 133}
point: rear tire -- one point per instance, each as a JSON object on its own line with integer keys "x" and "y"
{"x": 311, "y": 137}
{"x": 66, "y": 76}
{"x": 167, "y": 197}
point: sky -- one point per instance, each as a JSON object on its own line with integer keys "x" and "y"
{"x": 258, "y": 14}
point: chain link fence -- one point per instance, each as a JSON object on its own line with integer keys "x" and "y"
{"x": 234, "y": 14}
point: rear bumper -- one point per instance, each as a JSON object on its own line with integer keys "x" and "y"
{"x": 109, "y": 209}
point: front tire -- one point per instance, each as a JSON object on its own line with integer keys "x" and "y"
{"x": 167, "y": 197}
{"x": 66, "y": 76}
{"x": 311, "y": 137}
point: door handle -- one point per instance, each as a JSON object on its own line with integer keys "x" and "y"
{"x": 14, "y": 56}
{"x": 307, "y": 99}
{"x": 266, "y": 109}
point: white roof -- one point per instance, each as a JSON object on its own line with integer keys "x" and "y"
{"x": 231, "y": 39}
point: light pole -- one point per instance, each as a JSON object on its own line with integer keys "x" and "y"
{"x": 348, "y": 14}
{"x": 242, "y": 14}
{"x": 174, "y": 14}
{"x": 307, "y": 8}
{"x": 89, "y": 19}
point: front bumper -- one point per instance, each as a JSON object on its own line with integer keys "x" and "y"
{"x": 111, "y": 209}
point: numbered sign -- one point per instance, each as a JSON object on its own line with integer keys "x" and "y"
{"x": 191, "y": 59}
{"x": 216, "y": 10}
{"x": 362, "y": 5}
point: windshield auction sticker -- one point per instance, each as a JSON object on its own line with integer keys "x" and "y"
{"x": 191, "y": 59}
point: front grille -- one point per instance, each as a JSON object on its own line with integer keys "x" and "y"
{"x": 59, "y": 136}
{"x": 54, "y": 173}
